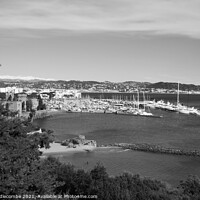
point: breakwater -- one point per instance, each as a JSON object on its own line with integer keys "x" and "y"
{"x": 157, "y": 149}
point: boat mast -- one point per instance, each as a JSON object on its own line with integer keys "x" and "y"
{"x": 178, "y": 95}
{"x": 138, "y": 100}
{"x": 134, "y": 102}
{"x": 144, "y": 100}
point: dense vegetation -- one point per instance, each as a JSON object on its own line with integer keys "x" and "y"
{"x": 22, "y": 171}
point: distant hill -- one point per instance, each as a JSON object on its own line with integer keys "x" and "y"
{"x": 77, "y": 84}
{"x": 137, "y": 84}
{"x": 171, "y": 86}
{"x": 19, "y": 78}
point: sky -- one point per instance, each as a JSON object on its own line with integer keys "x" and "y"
{"x": 107, "y": 40}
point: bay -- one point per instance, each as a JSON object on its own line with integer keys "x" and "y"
{"x": 173, "y": 130}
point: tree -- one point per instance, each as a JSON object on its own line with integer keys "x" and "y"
{"x": 41, "y": 105}
{"x": 15, "y": 98}
{"x": 7, "y": 106}
{"x": 17, "y": 163}
{"x": 9, "y": 98}
{"x": 2, "y": 109}
{"x": 29, "y": 105}
{"x": 6, "y": 112}
{"x": 191, "y": 187}
{"x": 20, "y": 164}
{"x": 23, "y": 171}
{"x": 99, "y": 181}
{"x": 66, "y": 174}
{"x": 23, "y": 105}
{"x": 82, "y": 182}
{"x": 99, "y": 172}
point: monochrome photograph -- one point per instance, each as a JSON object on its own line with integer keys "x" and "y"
{"x": 100, "y": 99}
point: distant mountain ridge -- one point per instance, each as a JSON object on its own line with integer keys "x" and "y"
{"x": 172, "y": 85}
{"x": 23, "y": 78}
{"x": 34, "y": 82}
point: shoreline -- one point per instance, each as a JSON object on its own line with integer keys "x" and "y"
{"x": 56, "y": 148}
{"x": 40, "y": 114}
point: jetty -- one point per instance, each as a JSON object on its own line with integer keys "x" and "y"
{"x": 157, "y": 149}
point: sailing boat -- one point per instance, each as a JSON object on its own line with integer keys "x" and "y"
{"x": 180, "y": 108}
{"x": 144, "y": 113}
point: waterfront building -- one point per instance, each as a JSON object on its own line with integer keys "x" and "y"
{"x": 13, "y": 106}
{"x": 6, "y": 96}
{"x": 23, "y": 98}
{"x": 44, "y": 96}
{"x": 14, "y": 90}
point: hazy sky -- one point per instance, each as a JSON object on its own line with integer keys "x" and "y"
{"x": 114, "y": 40}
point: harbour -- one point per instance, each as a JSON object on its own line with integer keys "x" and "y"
{"x": 100, "y": 100}
{"x": 173, "y": 130}
{"x": 128, "y": 104}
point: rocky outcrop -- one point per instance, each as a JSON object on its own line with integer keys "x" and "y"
{"x": 79, "y": 141}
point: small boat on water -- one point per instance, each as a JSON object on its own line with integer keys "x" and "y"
{"x": 194, "y": 111}
{"x": 178, "y": 107}
{"x": 185, "y": 109}
{"x": 143, "y": 112}
{"x": 137, "y": 111}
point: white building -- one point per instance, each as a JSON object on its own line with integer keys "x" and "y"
{"x": 14, "y": 90}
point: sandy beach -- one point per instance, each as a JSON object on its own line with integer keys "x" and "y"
{"x": 58, "y": 148}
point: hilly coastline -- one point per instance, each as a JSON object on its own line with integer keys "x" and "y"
{"x": 92, "y": 85}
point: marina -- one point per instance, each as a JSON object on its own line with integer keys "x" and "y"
{"x": 127, "y": 107}
{"x": 100, "y": 100}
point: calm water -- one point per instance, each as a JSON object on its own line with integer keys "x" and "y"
{"x": 173, "y": 130}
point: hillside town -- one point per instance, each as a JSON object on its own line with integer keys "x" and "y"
{"x": 35, "y": 95}
{"x": 36, "y": 85}
{"x": 19, "y": 100}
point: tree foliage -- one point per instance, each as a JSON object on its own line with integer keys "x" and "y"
{"x": 20, "y": 165}
{"x": 29, "y": 105}
{"x": 4, "y": 111}
{"x": 191, "y": 187}
{"x": 41, "y": 105}
{"x": 23, "y": 171}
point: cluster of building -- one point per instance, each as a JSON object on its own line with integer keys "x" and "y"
{"x": 25, "y": 100}
{"x": 19, "y": 100}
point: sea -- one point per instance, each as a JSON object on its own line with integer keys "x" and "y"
{"x": 172, "y": 130}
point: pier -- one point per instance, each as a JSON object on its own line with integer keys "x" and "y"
{"x": 157, "y": 149}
